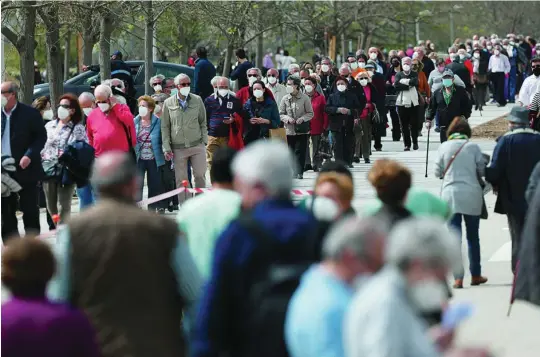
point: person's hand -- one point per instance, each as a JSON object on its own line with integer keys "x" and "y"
{"x": 356, "y": 121}
{"x": 113, "y": 100}
{"x": 169, "y": 156}
{"x": 299, "y": 121}
{"x": 428, "y": 124}
{"x": 228, "y": 121}
{"x": 344, "y": 111}
{"x": 291, "y": 120}
{"x": 25, "y": 161}
{"x": 84, "y": 68}
{"x": 442, "y": 337}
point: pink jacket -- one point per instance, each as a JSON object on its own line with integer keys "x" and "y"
{"x": 107, "y": 131}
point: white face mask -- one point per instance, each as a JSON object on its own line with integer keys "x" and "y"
{"x": 272, "y": 80}
{"x": 406, "y": 67}
{"x": 497, "y": 52}
{"x": 538, "y": 52}
{"x": 325, "y": 68}
{"x": 462, "y": 56}
{"x": 308, "y": 88}
{"x": 87, "y": 111}
{"x": 341, "y": 87}
{"x": 185, "y": 91}
{"x": 104, "y": 106}
{"x": 157, "y": 109}
{"x": 363, "y": 82}
{"x": 489, "y": 48}
{"x": 281, "y": 52}
{"x": 354, "y": 65}
{"x": 4, "y": 101}
{"x": 289, "y": 89}
{"x": 361, "y": 64}
{"x": 476, "y": 55}
{"x": 258, "y": 93}
{"x": 143, "y": 111}
{"x": 48, "y": 114}
{"x": 158, "y": 88}
{"x": 223, "y": 92}
{"x": 428, "y": 295}
{"x": 251, "y": 80}
{"x": 63, "y": 113}
{"x": 373, "y": 55}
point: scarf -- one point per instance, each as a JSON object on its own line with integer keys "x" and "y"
{"x": 448, "y": 96}
{"x": 457, "y": 136}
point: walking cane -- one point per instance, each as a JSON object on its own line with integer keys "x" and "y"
{"x": 427, "y": 148}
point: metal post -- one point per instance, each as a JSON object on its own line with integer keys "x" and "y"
{"x": 417, "y": 23}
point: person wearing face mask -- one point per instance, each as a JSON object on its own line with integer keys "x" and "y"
{"x": 363, "y": 126}
{"x": 376, "y": 56}
{"x": 110, "y": 127}
{"x": 294, "y": 70}
{"x": 295, "y": 111}
{"x": 511, "y": 50}
{"x": 327, "y": 77}
{"x": 318, "y": 125}
{"x": 23, "y": 136}
{"x": 353, "y": 63}
{"x": 87, "y": 101}
{"x": 391, "y": 96}
{"x": 184, "y": 132}
{"x": 378, "y": 82}
{"x": 67, "y": 129}
{"x": 498, "y": 67}
{"x": 308, "y": 66}
{"x": 343, "y": 106}
{"x": 531, "y": 85}
{"x": 159, "y": 99}
{"x": 277, "y": 89}
{"x": 424, "y": 92}
{"x": 253, "y": 74}
{"x": 149, "y": 151}
{"x": 408, "y": 101}
{"x": 462, "y": 67}
{"x": 449, "y": 102}
{"x": 353, "y": 251}
{"x": 480, "y": 77}
{"x": 428, "y": 65}
{"x": 260, "y": 114}
{"x": 221, "y": 109}
{"x": 419, "y": 253}
{"x": 156, "y": 83}
{"x": 240, "y": 71}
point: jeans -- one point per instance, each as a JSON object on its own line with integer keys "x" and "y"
{"x": 284, "y": 75}
{"x": 472, "y": 228}
{"x": 86, "y": 196}
{"x": 512, "y": 84}
{"x": 153, "y": 179}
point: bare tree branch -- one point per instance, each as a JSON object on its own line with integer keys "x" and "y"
{"x": 10, "y": 35}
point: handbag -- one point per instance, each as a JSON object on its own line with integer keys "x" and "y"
{"x": 390, "y": 100}
{"x": 52, "y": 168}
{"x": 302, "y": 128}
{"x": 128, "y": 138}
{"x": 375, "y": 117}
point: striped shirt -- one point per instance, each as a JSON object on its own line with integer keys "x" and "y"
{"x": 219, "y": 109}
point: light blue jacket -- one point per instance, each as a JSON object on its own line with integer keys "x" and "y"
{"x": 155, "y": 137}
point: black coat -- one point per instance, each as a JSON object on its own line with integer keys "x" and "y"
{"x": 347, "y": 99}
{"x": 378, "y": 101}
{"x": 27, "y": 138}
{"x": 461, "y": 71}
{"x": 429, "y": 66}
{"x": 459, "y": 105}
{"x": 327, "y": 83}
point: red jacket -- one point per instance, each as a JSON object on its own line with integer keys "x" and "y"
{"x": 236, "y": 139}
{"x": 319, "y": 123}
{"x": 243, "y": 95}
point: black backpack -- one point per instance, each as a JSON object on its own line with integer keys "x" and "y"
{"x": 271, "y": 288}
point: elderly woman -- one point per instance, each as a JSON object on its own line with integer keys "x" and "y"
{"x": 31, "y": 324}
{"x": 296, "y": 111}
{"x": 149, "y": 150}
{"x": 364, "y": 125}
{"x": 318, "y": 125}
{"x": 424, "y": 92}
{"x": 66, "y": 129}
{"x": 460, "y": 164}
{"x": 262, "y": 113}
{"x": 156, "y": 83}
{"x": 408, "y": 102}
{"x": 337, "y": 187}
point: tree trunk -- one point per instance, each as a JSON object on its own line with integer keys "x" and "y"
{"x": 260, "y": 51}
{"x": 344, "y": 51}
{"x": 227, "y": 61}
{"x": 182, "y": 55}
{"x": 360, "y": 41}
{"x": 148, "y": 46}
{"x": 369, "y": 38}
{"x": 54, "y": 55}
{"x": 105, "y": 30}
{"x": 67, "y": 49}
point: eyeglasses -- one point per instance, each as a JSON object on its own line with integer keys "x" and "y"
{"x": 65, "y": 106}
{"x": 184, "y": 84}
{"x": 101, "y": 102}
{"x": 6, "y": 91}
{"x": 271, "y": 75}
{"x": 533, "y": 67}
{"x": 252, "y": 75}
{"x": 156, "y": 84}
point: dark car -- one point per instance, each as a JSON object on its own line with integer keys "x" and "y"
{"x": 81, "y": 82}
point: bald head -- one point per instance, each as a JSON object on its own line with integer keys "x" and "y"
{"x": 115, "y": 176}
{"x": 223, "y": 83}
{"x": 102, "y": 92}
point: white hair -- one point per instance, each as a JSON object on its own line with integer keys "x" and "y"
{"x": 87, "y": 95}
{"x": 159, "y": 76}
{"x": 294, "y": 66}
{"x": 179, "y": 77}
{"x": 352, "y": 234}
{"x": 425, "y": 239}
{"x": 103, "y": 89}
{"x": 259, "y": 73}
{"x": 214, "y": 81}
{"x": 269, "y": 163}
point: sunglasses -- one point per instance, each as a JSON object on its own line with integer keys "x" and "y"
{"x": 156, "y": 84}
{"x": 101, "y": 102}
{"x": 184, "y": 84}
{"x": 271, "y": 75}
{"x": 536, "y": 66}
{"x": 65, "y": 106}
{"x": 252, "y": 75}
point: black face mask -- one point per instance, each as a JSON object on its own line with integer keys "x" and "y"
{"x": 395, "y": 64}
{"x": 536, "y": 71}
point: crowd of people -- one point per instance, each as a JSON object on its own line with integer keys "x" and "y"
{"x": 243, "y": 271}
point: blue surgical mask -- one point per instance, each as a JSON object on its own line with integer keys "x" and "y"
{"x": 174, "y": 92}
{"x": 447, "y": 82}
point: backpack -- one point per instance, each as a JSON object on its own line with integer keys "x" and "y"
{"x": 272, "y": 287}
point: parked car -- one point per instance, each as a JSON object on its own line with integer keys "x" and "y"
{"x": 81, "y": 82}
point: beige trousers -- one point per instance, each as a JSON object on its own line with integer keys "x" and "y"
{"x": 56, "y": 194}
{"x": 197, "y": 155}
{"x": 214, "y": 143}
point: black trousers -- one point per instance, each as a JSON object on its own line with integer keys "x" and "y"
{"x": 396, "y": 129}
{"x": 498, "y": 86}
{"x": 515, "y": 225}
{"x": 27, "y": 201}
{"x": 408, "y": 118}
{"x": 343, "y": 145}
{"x": 298, "y": 144}
{"x": 442, "y": 134}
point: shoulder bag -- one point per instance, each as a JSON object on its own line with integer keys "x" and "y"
{"x": 131, "y": 150}
{"x": 51, "y": 167}
{"x": 302, "y": 128}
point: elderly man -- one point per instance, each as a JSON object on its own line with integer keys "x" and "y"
{"x": 384, "y": 317}
{"x": 327, "y": 77}
{"x": 111, "y": 127}
{"x": 277, "y": 89}
{"x": 514, "y": 158}
{"x": 168, "y": 86}
{"x": 23, "y": 138}
{"x": 185, "y": 133}
{"x": 87, "y": 101}
{"x": 428, "y": 64}
{"x": 499, "y": 66}
{"x": 156, "y": 82}
{"x": 353, "y": 250}
{"x": 253, "y": 74}
{"x": 273, "y": 231}
{"x": 531, "y": 84}
{"x": 294, "y": 69}
{"x": 104, "y": 288}
{"x": 220, "y": 110}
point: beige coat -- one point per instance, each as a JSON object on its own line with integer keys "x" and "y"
{"x": 295, "y": 107}
{"x": 181, "y": 128}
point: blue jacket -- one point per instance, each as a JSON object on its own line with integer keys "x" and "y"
{"x": 220, "y": 328}
{"x": 269, "y": 111}
{"x": 514, "y": 158}
{"x": 155, "y": 137}
{"x": 204, "y": 72}
{"x": 240, "y": 74}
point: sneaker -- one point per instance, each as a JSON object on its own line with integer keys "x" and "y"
{"x": 478, "y": 280}
{"x": 458, "y": 284}
{"x": 415, "y": 146}
{"x": 407, "y": 148}
{"x": 367, "y": 161}
{"x": 378, "y": 149}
